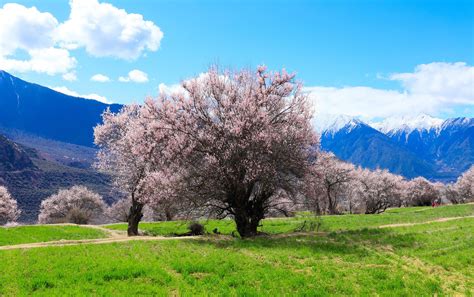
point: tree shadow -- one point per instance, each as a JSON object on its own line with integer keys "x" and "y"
{"x": 354, "y": 242}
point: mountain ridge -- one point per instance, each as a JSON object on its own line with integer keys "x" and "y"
{"x": 47, "y": 113}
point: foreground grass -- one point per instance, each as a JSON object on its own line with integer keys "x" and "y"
{"x": 31, "y": 234}
{"x": 327, "y": 223}
{"x": 421, "y": 260}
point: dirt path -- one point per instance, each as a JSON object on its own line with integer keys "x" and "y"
{"x": 113, "y": 236}
{"x": 422, "y": 223}
{"x": 89, "y": 241}
{"x": 121, "y": 236}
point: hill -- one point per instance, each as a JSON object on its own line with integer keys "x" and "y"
{"x": 31, "y": 177}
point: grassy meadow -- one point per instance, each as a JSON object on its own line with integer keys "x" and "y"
{"x": 349, "y": 256}
{"x": 32, "y": 234}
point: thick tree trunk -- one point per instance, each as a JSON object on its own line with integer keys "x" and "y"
{"x": 134, "y": 217}
{"x": 168, "y": 215}
{"x": 248, "y": 215}
{"x": 246, "y": 225}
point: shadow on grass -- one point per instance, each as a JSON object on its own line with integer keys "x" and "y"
{"x": 347, "y": 242}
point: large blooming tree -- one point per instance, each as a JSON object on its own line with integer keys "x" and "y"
{"x": 237, "y": 141}
{"x": 9, "y": 211}
{"x": 229, "y": 144}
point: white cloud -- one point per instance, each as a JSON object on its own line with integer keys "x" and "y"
{"x": 69, "y": 92}
{"x": 100, "y": 78}
{"x": 25, "y": 28}
{"x": 432, "y": 88}
{"x": 170, "y": 89}
{"x": 453, "y": 82}
{"x": 31, "y": 40}
{"x": 105, "y": 30}
{"x": 48, "y": 60}
{"x": 70, "y": 76}
{"x": 135, "y": 75}
{"x": 30, "y": 31}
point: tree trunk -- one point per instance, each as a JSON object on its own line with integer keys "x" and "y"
{"x": 331, "y": 203}
{"x": 246, "y": 225}
{"x": 248, "y": 214}
{"x": 168, "y": 215}
{"x": 134, "y": 217}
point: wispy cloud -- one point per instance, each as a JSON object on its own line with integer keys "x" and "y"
{"x": 69, "y": 92}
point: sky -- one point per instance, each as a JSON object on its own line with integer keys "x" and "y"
{"x": 371, "y": 59}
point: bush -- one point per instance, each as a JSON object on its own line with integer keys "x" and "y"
{"x": 196, "y": 229}
{"x": 76, "y": 205}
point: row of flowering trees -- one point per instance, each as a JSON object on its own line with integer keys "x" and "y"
{"x": 336, "y": 187}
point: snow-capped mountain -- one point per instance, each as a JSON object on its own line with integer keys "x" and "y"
{"x": 407, "y": 124}
{"x": 411, "y": 146}
{"x": 332, "y": 123}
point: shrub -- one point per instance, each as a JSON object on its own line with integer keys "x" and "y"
{"x": 196, "y": 229}
{"x": 76, "y": 205}
{"x": 9, "y": 211}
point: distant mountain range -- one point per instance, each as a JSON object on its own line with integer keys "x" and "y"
{"x": 49, "y": 143}
{"x": 411, "y": 146}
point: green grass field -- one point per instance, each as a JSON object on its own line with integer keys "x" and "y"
{"x": 327, "y": 223}
{"x": 30, "y": 234}
{"x": 352, "y": 257}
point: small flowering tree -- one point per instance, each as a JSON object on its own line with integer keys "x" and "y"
{"x": 421, "y": 192}
{"x": 119, "y": 211}
{"x": 465, "y": 185}
{"x": 76, "y": 205}
{"x": 377, "y": 190}
{"x": 9, "y": 211}
{"x": 121, "y": 138}
{"x": 463, "y": 190}
{"x": 327, "y": 183}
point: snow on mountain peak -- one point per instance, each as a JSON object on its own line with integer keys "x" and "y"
{"x": 331, "y": 123}
{"x": 408, "y": 124}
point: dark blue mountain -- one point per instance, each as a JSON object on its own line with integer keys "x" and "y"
{"x": 449, "y": 145}
{"x": 44, "y": 112}
{"x": 362, "y": 145}
{"x": 421, "y": 146}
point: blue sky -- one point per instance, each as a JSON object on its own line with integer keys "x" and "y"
{"x": 337, "y": 45}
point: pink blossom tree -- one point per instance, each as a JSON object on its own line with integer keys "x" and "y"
{"x": 232, "y": 142}
{"x": 421, "y": 192}
{"x": 463, "y": 190}
{"x": 465, "y": 184}
{"x": 76, "y": 205}
{"x": 327, "y": 182}
{"x": 9, "y": 211}
{"x": 121, "y": 139}
{"x": 377, "y": 190}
